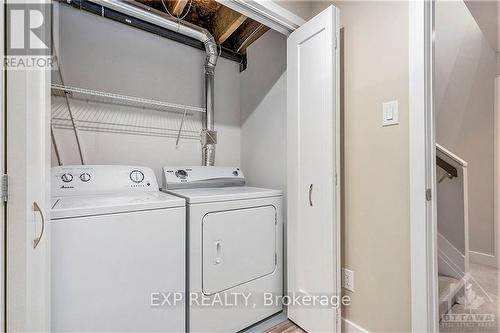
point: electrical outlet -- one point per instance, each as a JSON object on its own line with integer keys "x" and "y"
{"x": 348, "y": 279}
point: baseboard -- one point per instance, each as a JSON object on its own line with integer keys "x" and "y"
{"x": 483, "y": 258}
{"x": 350, "y": 327}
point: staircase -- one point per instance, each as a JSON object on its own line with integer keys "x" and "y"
{"x": 452, "y": 223}
{"x": 450, "y": 290}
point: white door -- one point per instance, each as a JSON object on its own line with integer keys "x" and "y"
{"x": 2, "y": 172}
{"x": 313, "y": 163}
{"x": 28, "y": 167}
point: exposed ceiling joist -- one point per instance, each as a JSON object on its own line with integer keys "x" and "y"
{"x": 176, "y": 7}
{"x": 226, "y": 22}
{"x": 248, "y": 34}
{"x": 231, "y": 29}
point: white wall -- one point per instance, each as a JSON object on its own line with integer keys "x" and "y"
{"x": 100, "y": 54}
{"x": 465, "y": 66}
{"x": 487, "y": 15}
{"x": 263, "y": 112}
{"x": 300, "y": 8}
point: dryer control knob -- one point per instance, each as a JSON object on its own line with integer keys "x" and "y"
{"x": 181, "y": 173}
{"x": 67, "y": 177}
{"x": 85, "y": 177}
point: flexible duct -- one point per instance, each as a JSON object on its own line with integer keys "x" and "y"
{"x": 153, "y": 16}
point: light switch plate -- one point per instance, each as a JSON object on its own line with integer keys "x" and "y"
{"x": 348, "y": 279}
{"x": 390, "y": 113}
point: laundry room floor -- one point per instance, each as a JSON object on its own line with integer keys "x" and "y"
{"x": 285, "y": 327}
{"x": 278, "y": 323}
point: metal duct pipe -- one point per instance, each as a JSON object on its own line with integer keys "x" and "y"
{"x": 209, "y": 135}
{"x": 156, "y": 17}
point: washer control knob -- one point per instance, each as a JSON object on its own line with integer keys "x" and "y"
{"x": 181, "y": 173}
{"x": 85, "y": 177}
{"x": 67, "y": 177}
{"x": 136, "y": 176}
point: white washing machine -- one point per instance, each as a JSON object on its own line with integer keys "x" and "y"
{"x": 117, "y": 244}
{"x": 235, "y": 246}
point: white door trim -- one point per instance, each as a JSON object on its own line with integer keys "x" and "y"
{"x": 495, "y": 260}
{"x": 423, "y": 227}
{"x": 2, "y": 171}
{"x": 268, "y": 13}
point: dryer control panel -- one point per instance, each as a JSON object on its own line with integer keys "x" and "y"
{"x": 101, "y": 179}
{"x": 175, "y": 177}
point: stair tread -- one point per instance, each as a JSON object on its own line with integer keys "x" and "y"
{"x": 446, "y": 283}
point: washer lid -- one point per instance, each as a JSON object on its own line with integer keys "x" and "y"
{"x": 75, "y": 206}
{"x": 202, "y": 195}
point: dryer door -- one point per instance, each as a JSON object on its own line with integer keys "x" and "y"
{"x": 238, "y": 246}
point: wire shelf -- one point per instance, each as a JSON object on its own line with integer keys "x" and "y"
{"x": 123, "y": 100}
{"x": 111, "y": 118}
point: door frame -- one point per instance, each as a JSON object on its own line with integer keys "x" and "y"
{"x": 266, "y": 12}
{"x": 423, "y": 222}
{"x": 496, "y": 195}
{"x": 3, "y": 208}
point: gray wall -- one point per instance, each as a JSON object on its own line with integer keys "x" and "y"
{"x": 263, "y": 112}
{"x": 465, "y": 70}
{"x": 98, "y": 53}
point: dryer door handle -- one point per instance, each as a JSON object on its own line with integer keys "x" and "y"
{"x": 310, "y": 195}
{"x": 218, "y": 252}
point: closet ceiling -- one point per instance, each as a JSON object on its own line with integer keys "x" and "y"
{"x": 230, "y": 29}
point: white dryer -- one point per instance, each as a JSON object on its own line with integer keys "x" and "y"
{"x": 117, "y": 244}
{"x": 235, "y": 246}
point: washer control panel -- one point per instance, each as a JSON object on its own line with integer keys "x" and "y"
{"x": 101, "y": 179}
{"x": 201, "y": 176}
